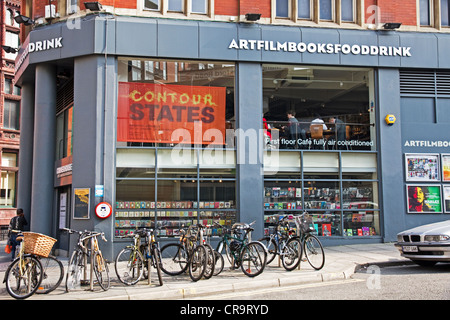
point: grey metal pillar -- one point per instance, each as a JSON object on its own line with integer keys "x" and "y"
{"x": 391, "y": 158}
{"x": 44, "y": 149}
{"x": 249, "y": 162}
{"x": 26, "y": 149}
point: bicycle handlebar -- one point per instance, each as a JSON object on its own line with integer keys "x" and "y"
{"x": 89, "y": 234}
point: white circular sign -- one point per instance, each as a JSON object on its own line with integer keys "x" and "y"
{"x": 103, "y": 210}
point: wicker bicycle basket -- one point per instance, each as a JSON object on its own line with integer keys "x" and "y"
{"x": 305, "y": 223}
{"x": 38, "y": 244}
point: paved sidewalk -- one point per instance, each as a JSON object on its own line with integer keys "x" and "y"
{"x": 340, "y": 263}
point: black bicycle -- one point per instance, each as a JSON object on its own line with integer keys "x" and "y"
{"x": 311, "y": 244}
{"x": 135, "y": 261}
{"x": 284, "y": 243}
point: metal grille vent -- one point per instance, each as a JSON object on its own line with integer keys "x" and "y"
{"x": 424, "y": 82}
{"x": 443, "y": 83}
{"x": 64, "y": 96}
{"x": 417, "y": 82}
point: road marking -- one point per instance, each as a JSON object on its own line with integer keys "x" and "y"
{"x": 276, "y": 289}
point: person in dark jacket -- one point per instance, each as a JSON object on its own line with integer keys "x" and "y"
{"x": 16, "y": 223}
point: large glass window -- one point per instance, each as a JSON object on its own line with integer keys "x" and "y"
{"x": 174, "y": 118}
{"x": 318, "y": 171}
{"x": 152, "y": 189}
{"x": 341, "y": 195}
{"x": 319, "y": 108}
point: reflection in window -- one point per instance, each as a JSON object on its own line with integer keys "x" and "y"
{"x": 445, "y": 13}
{"x": 347, "y": 10}
{"x": 175, "y": 5}
{"x": 425, "y": 18}
{"x": 282, "y": 9}
{"x": 11, "y": 114}
{"x": 304, "y": 9}
{"x": 326, "y": 10}
{"x": 199, "y": 6}
{"x": 151, "y": 4}
{"x": 8, "y": 188}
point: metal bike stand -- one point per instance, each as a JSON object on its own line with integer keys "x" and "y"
{"x": 91, "y": 280}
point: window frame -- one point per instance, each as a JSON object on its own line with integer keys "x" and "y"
{"x": 314, "y": 14}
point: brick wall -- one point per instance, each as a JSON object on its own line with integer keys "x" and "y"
{"x": 255, "y": 6}
{"x": 226, "y": 7}
{"x": 404, "y": 11}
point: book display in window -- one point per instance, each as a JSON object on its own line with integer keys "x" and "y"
{"x": 172, "y": 216}
{"x": 282, "y": 198}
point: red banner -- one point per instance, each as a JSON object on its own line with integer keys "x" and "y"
{"x": 162, "y": 113}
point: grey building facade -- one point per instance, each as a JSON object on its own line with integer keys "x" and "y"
{"x": 72, "y": 74}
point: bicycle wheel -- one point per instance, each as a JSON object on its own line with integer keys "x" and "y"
{"x": 272, "y": 248}
{"x": 197, "y": 263}
{"x": 52, "y": 275}
{"x": 211, "y": 262}
{"x": 129, "y": 266}
{"x": 156, "y": 256}
{"x": 314, "y": 252}
{"x": 23, "y": 277}
{"x": 220, "y": 262}
{"x": 174, "y": 259}
{"x": 253, "y": 259}
{"x": 292, "y": 254}
{"x": 76, "y": 270}
{"x": 101, "y": 271}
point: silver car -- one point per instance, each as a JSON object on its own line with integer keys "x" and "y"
{"x": 426, "y": 245}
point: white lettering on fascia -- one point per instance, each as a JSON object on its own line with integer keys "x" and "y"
{"x": 427, "y": 143}
{"x": 45, "y": 45}
{"x": 323, "y": 48}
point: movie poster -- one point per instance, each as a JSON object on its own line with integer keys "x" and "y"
{"x": 445, "y": 167}
{"x": 447, "y": 199}
{"x": 422, "y": 167}
{"x": 424, "y": 198}
{"x": 81, "y": 201}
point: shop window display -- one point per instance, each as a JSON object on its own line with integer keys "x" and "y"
{"x": 151, "y": 191}
{"x": 342, "y": 208}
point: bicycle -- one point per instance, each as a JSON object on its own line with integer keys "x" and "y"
{"x": 311, "y": 244}
{"x": 187, "y": 254}
{"x": 78, "y": 262}
{"x": 211, "y": 257}
{"x": 285, "y": 244}
{"x": 24, "y": 275}
{"x": 250, "y": 256}
{"x": 134, "y": 260}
